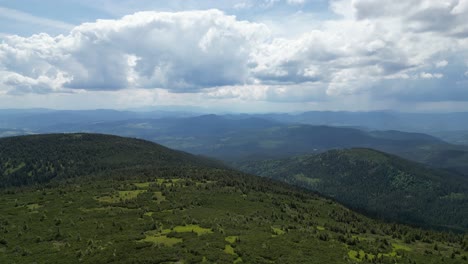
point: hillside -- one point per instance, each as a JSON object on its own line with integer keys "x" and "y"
{"x": 239, "y": 137}
{"x": 380, "y": 184}
{"x": 42, "y": 158}
{"x": 176, "y": 208}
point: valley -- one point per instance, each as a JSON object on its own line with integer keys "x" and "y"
{"x": 241, "y": 137}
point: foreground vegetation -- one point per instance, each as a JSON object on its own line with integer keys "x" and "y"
{"x": 185, "y": 212}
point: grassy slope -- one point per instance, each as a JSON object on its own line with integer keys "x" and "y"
{"x": 378, "y": 183}
{"x": 192, "y": 214}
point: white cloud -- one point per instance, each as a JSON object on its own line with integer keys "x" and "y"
{"x": 372, "y": 46}
{"x": 184, "y": 51}
{"x": 425, "y": 75}
{"x": 441, "y": 64}
{"x": 446, "y": 17}
{"x": 461, "y": 7}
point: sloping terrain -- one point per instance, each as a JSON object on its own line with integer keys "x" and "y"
{"x": 237, "y": 137}
{"x": 381, "y": 184}
{"x": 177, "y": 208}
{"x": 42, "y": 158}
{"x": 240, "y": 137}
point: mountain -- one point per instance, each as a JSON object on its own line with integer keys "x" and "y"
{"x": 379, "y": 120}
{"x": 243, "y": 137}
{"x": 383, "y": 185}
{"x": 40, "y": 119}
{"x": 459, "y": 137}
{"x": 234, "y": 137}
{"x": 42, "y": 158}
{"x": 139, "y": 202}
{"x": 429, "y": 123}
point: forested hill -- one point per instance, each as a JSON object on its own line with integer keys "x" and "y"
{"x": 143, "y": 203}
{"x": 378, "y": 183}
{"x": 40, "y": 158}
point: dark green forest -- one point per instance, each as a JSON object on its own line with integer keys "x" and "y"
{"x": 82, "y": 198}
{"x": 42, "y": 158}
{"x": 379, "y": 184}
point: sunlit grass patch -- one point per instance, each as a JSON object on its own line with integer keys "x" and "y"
{"x": 320, "y": 228}
{"x": 353, "y": 255}
{"x": 192, "y": 228}
{"x": 228, "y": 249}
{"x": 360, "y": 255}
{"x": 231, "y": 239}
{"x": 278, "y": 231}
{"x": 161, "y": 240}
{"x": 168, "y": 182}
{"x": 391, "y": 254}
{"x": 397, "y": 246}
{"x": 15, "y": 169}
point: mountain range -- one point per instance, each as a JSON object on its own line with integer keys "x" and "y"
{"x": 235, "y": 138}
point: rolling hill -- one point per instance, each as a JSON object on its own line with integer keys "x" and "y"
{"x": 242, "y": 137}
{"x": 234, "y": 138}
{"x": 383, "y": 185}
{"x": 42, "y": 158}
{"x": 120, "y": 200}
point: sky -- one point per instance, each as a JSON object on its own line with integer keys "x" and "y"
{"x": 241, "y": 56}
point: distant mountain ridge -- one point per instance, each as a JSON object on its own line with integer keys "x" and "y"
{"x": 379, "y": 120}
{"x": 238, "y": 137}
{"x": 374, "y": 120}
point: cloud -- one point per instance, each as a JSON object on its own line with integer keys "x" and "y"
{"x": 374, "y": 48}
{"x": 310, "y": 92}
{"x": 184, "y": 51}
{"x": 445, "y": 17}
{"x": 425, "y": 75}
{"x": 441, "y": 64}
